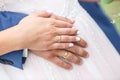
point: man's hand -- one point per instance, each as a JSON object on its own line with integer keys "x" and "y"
{"x": 64, "y": 58}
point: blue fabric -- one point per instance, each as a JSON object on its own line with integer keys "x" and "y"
{"x": 103, "y": 21}
{"x": 7, "y": 20}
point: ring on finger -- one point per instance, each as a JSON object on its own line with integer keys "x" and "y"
{"x": 66, "y": 54}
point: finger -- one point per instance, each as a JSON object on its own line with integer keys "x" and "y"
{"x": 81, "y": 42}
{"x": 70, "y": 57}
{"x": 78, "y": 51}
{"x": 66, "y": 39}
{"x": 67, "y": 31}
{"x": 44, "y": 14}
{"x": 61, "y": 46}
{"x": 59, "y": 23}
{"x": 62, "y": 18}
{"x": 61, "y": 63}
{"x": 63, "y": 24}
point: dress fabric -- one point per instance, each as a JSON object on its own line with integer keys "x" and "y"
{"x": 104, "y": 60}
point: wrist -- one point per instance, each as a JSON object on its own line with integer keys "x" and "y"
{"x": 18, "y": 37}
{"x": 10, "y": 40}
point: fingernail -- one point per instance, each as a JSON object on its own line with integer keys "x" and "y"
{"x": 84, "y": 44}
{"x": 70, "y": 68}
{"x": 78, "y": 32}
{"x": 87, "y": 55}
{"x": 78, "y": 38}
{"x": 81, "y": 62}
{"x": 71, "y": 45}
{"x": 72, "y": 21}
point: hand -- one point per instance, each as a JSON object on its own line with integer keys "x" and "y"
{"x": 38, "y": 33}
{"x": 63, "y": 58}
{"x": 55, "y": 56}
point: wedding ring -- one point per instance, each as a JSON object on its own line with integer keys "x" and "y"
{"x": 65, "y": 54}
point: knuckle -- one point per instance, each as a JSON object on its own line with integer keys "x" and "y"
{"x": 64, "y": 38}
{"x": 58, "y": 46}
{"x": 54, "y": 31}
{"x": 54, "y": 16}
{"x": 70, "y": 57}
{"x": 66, "y": 45}
{"x": 51, "y": 21}
{"x": 61, "y": 63}
{"x": 78, "y": 50}
{"x": 68, "y": 31}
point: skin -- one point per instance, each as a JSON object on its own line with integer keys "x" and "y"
{"x": 39, "y": 44}
{"x": 7, "y": 46}
{"x": 32, "y": 31}
{"x": 56, "y": 56}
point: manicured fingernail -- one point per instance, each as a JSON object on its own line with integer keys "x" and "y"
{"x": 78, "y": 38}
{"x": 78, "y": 32}
{"x": 71, "y": 45}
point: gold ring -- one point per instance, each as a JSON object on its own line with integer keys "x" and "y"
{"x": 66, "y": 54}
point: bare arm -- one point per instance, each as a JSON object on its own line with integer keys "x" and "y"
{"x": 9, "y": 40}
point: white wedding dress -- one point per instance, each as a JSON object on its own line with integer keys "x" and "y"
{"x": 103, "y": 63}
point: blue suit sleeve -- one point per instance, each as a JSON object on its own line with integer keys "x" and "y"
{"x": 104, "y": 22}
{"x": 7, "y": 20}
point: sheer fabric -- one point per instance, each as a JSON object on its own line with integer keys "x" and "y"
{"x": 103, "y": 63}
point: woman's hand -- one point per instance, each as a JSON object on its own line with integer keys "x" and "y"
{"x": 38, "y": 33}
